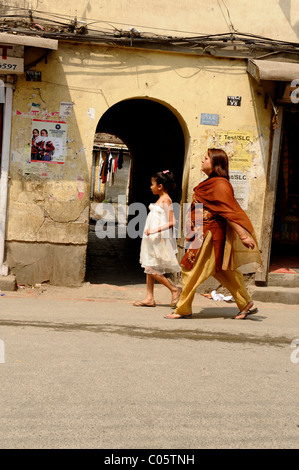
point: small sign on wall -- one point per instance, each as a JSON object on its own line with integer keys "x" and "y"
{"x": 209, "y": 119}
{"x": 11, "y": 59}
{"x": 234, "y": 100}
{"x": 33, "y": 76}
{"x": 11, "y": 65}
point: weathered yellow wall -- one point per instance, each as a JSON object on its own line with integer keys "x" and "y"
{"x": 50, "y": 203}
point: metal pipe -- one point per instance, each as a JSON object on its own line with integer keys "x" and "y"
{"x": 4, "y": 172}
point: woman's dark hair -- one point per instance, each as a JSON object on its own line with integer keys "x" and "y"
{"x": 166, "y": 178}
{"x": 219, "y": 160}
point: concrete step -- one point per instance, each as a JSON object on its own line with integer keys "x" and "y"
{"x": 275, "y": 294}
{"x": 8, "y": 283}
{"x": 283, "y": 280}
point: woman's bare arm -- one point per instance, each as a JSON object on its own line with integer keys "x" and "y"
{"x": 246, "y": 239}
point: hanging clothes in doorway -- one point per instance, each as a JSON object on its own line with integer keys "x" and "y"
{"x": 109, "y": 166}
{"x": 101, "y": 163}
{"x": 120, "y": 159}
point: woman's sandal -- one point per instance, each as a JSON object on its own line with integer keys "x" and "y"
{"x": 177, "y": 316}
{"x": 176, "y": 299}
{"x": 249, "y": 312}
{"x": 144, "y": 304}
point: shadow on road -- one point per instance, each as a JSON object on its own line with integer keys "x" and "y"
{"x": 227, "y": 313}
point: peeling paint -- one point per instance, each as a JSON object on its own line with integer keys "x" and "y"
{"x": 35, "y": 108}
{"x": 80, "y": 187}
{"x": 35, "y": 112}
{"x": 91, "y": 113}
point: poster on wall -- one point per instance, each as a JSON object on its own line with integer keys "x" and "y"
{"x": 48, "y": 141}
{"x": 239, "y": 182}
{"x": 238, "y": 146}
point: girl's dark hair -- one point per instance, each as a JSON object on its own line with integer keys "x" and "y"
{"x": 219, "y": 160}
{"x": 166, "y": 178}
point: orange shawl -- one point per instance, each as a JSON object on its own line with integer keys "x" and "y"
{"x": 216, "y": 194}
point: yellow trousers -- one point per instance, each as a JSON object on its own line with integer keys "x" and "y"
{"x": 205, "y": 267}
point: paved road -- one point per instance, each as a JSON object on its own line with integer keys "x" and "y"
{"x": 83, "y": 368}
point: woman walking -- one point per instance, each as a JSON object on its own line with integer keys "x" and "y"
{"x": 225, "y": 241}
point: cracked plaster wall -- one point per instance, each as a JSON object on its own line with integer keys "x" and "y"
{"x": 49, "y": 203}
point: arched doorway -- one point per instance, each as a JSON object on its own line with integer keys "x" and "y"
{"x": 155, "y": 140}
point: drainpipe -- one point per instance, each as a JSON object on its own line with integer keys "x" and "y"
{"x": 4, "y": 171}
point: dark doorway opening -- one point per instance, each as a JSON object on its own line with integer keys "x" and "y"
{"x": 155, "y": 140}
{"x": 285, "y": 240}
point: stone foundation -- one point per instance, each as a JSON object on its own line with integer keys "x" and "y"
{"x": 59, "y": 265}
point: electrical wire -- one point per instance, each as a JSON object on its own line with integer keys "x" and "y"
{"x": 200, "y": 40}
{"x": 91, "y": 21}
{"x": 230, "y": 26}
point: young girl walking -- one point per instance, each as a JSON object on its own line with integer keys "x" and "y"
{"x": 158, "y": 247}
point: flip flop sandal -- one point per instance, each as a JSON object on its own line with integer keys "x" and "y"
{"x": 250, "y": 312}
{"x": 143, "y": 304}
{"x": 176, "y": 316}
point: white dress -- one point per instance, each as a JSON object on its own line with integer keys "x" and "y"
{"x": 158, "y": 251}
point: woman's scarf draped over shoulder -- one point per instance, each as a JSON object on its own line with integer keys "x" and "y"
{"x": 217, "y": 195}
